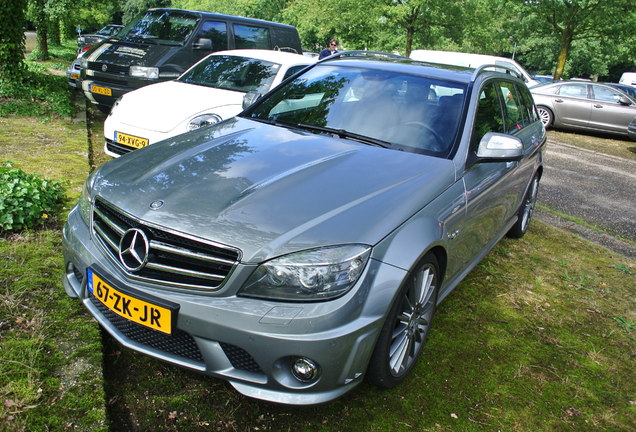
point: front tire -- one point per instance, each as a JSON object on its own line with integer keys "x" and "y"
{"x": 546, "y": 116}
{"x": 524, "y": 215}
{"x": 404, "y": 332}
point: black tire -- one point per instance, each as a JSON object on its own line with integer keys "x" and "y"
{"x": 524, "y": 214}
{"x": 546, "y": 116}
{"x": 404, "y": 332}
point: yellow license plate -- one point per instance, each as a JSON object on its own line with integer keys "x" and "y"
{"x": 131, "y": 140}
{"x": 148, "y": 314}
{"x": 101, "y": 90}
{"x": 76, "y": 76}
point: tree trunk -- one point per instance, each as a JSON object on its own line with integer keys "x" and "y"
{"x": 566, "y": 42}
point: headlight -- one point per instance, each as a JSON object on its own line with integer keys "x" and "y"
{"x": 84, "y": 204}
{"x": 144, "y": 72}
{"x": 83, "y": 62}
{"x": 315, "y": 274}
{"x": 203, "y": 120}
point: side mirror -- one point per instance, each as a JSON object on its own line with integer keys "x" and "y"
{"x": 250, "y": 98}
{"x": 624, "y": 101}
{"x": 497, "y": 147}
{"x": 203, "y": 44}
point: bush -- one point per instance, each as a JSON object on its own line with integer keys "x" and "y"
{"x": 27, "y": 200}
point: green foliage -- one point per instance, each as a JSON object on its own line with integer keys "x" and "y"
{"x": 27, "y": 200}
{"x": 11, "y": 41}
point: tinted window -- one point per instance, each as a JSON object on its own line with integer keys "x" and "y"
{"x": 216, "y": 32}
{"x": 513, "y": 110}
{"x": 489, "y": 116}
{"x": 250, "y": 37}
{"x": 574, "y": 90}
{"x": 293, "y": 69}
{"x": 167, "y": 27}
{"x": 233, "y": 73}
{"x": 389, "y": 106}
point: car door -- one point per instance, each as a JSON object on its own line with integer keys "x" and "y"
{"x": 572, "y": 107}
{"x": 608, "y": 113}
{"x": 492, "y": 188}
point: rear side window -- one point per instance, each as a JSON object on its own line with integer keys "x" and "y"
{"x": 216, "y": 31}
{"x": 489, "y": 116}
{"x": 251, "y": 37}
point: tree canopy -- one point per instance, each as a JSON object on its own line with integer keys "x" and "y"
{"x": 584, "y": 38}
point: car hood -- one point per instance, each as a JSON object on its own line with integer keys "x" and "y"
{"x": 161, "y": 107}
{"x": 269, "y": 190}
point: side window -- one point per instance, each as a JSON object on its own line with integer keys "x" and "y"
{"x": 215, "y": 31}
{"x": 250, "y": 37}
{"x": 489, "y": 116}
{"x": 513, "y": 111}
{"x": 606, "y": 95}
{"x": 528, "y": 105}
{"x": 574, "y": 90}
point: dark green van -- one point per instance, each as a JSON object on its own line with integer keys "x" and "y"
{"x": 161, "y": 44}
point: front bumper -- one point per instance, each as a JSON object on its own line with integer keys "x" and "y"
{"x": 249, "y": 342}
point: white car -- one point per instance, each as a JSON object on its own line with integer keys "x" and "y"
{"x": 210, "y": 91}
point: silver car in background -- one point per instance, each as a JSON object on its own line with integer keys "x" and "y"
{"x": 586, "y": 106}
{"x": 304, "y": 245}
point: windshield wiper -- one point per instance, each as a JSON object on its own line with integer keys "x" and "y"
{"x": 343, "y": 133}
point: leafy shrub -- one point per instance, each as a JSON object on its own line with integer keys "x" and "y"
{"x": 26, "y": 200}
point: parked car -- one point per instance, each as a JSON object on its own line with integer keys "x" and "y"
{"x": 543, "y": 78}
{"x": 586, "y": 106}
{"x": 473, "y": 61}
{"x": 162, "y": 43}
{"x": 304, "y": 244}
{"x": 73, "y": 73}
{"x": 628, "y": 78}
{"x": 208, "y": 92}
{"x": 88, "y": 40}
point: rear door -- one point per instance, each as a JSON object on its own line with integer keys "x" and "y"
{"x": 572, "y": 106}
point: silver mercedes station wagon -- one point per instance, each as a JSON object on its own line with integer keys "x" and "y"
{"x": 302, "y": 246}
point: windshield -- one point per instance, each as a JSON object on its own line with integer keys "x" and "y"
{"x": 406, "y": 112}
{"x": 235, "y": 73}
{"x": 109, "y": 30}
{"x": 165, "y": 27}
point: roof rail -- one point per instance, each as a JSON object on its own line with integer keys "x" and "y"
{"x": 364, "y": 53}
{"x": 481, "y": 69}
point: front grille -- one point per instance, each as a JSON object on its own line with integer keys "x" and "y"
{"x": 173, "y": 259}
{"x": 179, "y": 343}
{"x": 119, "y": 149}
{"x": 110, "y": 68}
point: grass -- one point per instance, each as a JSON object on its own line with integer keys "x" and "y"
{"x": 607, "y": 144}
{"x": 539, "y": 337}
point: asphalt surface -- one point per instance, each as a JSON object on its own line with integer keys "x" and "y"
{"x": 594, "y": 187}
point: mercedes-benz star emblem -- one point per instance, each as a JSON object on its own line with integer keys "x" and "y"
{"x": 133, "y": 249}
{"x": 156, "y": 204}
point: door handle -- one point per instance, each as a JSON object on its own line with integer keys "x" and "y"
{"x": 598, "y": 106}
{"x": 558, "y": 100}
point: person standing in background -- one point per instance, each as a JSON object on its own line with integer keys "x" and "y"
{"x": 331, "y": 49}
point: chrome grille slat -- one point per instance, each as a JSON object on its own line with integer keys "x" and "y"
{"x": 174, "y": 259}
{"x": 184, "y": 272}
{"x": 185, "y": 252}
{"x": 113, "y": 225}
{"x": 104, "y": 236}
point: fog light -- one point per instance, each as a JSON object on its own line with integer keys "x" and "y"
{"x": 304, "y": 369}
